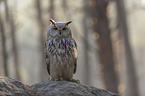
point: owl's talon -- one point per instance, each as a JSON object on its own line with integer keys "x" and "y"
{"x": 74, "y": 80}
{"x": 56, "y": 79}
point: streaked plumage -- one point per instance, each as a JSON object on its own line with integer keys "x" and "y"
{"x": 61, "y": 52}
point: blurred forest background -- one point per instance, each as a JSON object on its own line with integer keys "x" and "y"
{"x": 109, "y": 33}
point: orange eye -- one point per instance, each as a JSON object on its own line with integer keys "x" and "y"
{"x": 64, "y": 29}
{"x": 55, "y": 28}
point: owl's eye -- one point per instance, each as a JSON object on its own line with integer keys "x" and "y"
{"x": 64, "y": 29}
{"x": 55, "y": 28}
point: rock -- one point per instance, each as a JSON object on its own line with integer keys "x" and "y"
{"x": 11, "y": 87}
{"x": 66, "y": 88}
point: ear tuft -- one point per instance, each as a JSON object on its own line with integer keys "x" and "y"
{"x": 52, "y": 21}
{"x": 67, "y": 23}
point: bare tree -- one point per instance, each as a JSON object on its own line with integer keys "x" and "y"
{"x": 101, "y": 27}
{"x": 86, "y": 46}
{"x": 64, "y": 5}
{"x": 41, "y": 39}
{"x": 11, "y": 28}
{"x": 132, "y": 77}
{"x": 6, "y": 10}
{"x": 52, "y": 9}
{"x": 4, "y": 37}
{"x": 5, "y": 57}
{"x": 14, "y": 47}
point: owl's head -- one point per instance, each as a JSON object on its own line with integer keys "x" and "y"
{"x": 59, "y": 29}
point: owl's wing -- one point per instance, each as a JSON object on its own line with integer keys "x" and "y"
{"x": 47, "y": 59}
{"x": 75, "y": 63}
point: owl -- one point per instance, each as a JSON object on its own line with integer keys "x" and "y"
{"x": 60, "y": 52}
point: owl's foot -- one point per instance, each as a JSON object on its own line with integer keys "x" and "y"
{"x": 49, "y": 78}
{"x": 58, "y": 79}
{"x": 74, "y": 80}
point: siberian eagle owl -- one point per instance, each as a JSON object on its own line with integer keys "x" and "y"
{"x": 61, "y": 52}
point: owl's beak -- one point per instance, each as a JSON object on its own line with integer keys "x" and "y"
{"x": 60, "y": 32}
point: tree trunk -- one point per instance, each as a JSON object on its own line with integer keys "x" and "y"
{"x": 101, "y": 27}
{"x": 85, "y": 41}
{"x": 52, "y": 9}
{"x": 132, "y": 77}
{"x": 11, "y": 29}
{"x": 41, "y": 38}
{"x": 5, "y": 55}
{"x": 5, "y": 58}
{"x": 6, "y": 10}
{"x": 14, "y": 48}
{"x": 64, "y": 5}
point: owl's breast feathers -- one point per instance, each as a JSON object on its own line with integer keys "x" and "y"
{"x": 61, "y": 46}
{"x": 64, "y": 49}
